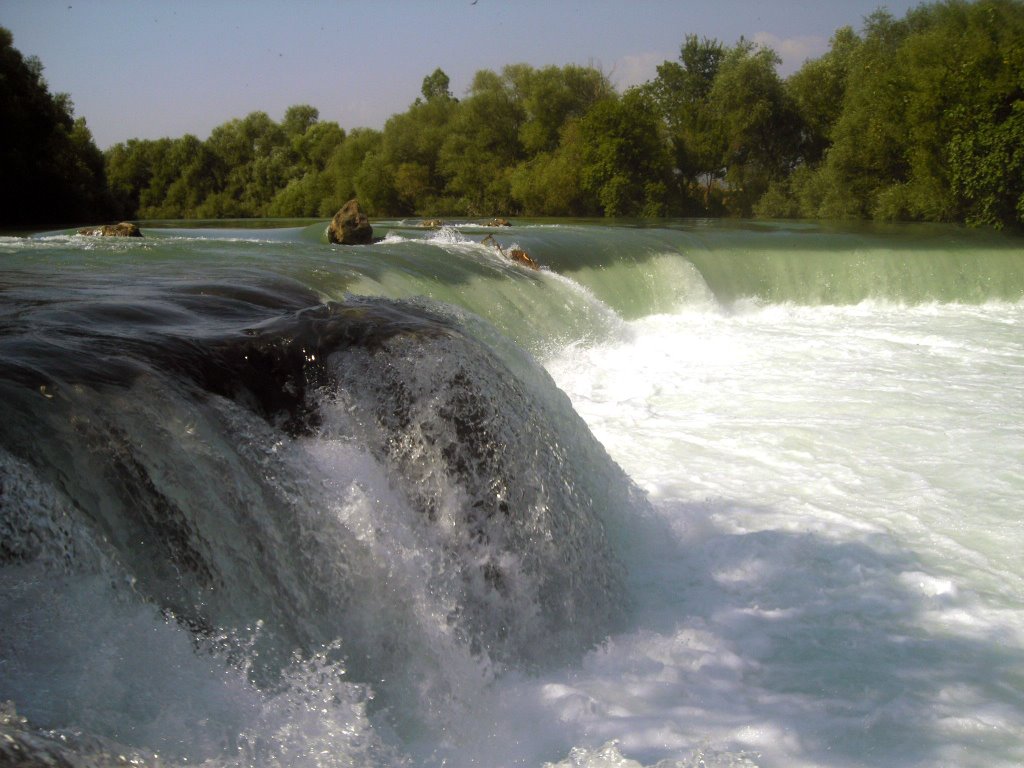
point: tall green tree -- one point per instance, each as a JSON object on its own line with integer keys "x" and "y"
{"x": 981, "y": 145}
{"x": 344, "y": 166}
{"x": 411, "y": 148}
{"x": 192, "y": 166}
{"x": 930, "y": 124}
{"x": 625, "y": 164}
{"x": 866, "y": 143}
{"x": 401, "y": 175}
{"x": 309, "y": 182}
{"x": 482, "y": 146}
{"x": 435, "y": 86}
{"x": 554, "y": 100}
{"x": 52, "y": 171}
{"x": 129, "y": 171}
{"x": 818, "y": 90}
{"x": 250, "y": 163}
{"x": 552, "y": 96}
{"x": 162, "y": 178}
{"x": 298, "y": 119}
{"x": 758, "y": 122}
{"x": 551, "y": 183}
{"x": 682, "y": 93}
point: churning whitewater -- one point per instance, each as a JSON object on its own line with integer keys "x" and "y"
{"x": 691, "y": 494}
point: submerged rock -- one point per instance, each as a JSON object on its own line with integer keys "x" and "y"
{"x": 517, "y": 255}
{"x": 459, "y": 427}
{"x": 350, "y": 225}
{"x": 522, "y": 257}
{"x": 124, "y": 229}
{"x": 23, "y": 746}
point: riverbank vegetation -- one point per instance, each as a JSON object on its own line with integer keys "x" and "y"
{"x": 50, "y": 168}
{"x": 919, "y": 118}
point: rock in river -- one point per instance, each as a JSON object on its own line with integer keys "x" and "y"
{"x": 350, "y": 225}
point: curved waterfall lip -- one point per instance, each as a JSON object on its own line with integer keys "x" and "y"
{"x": 736, "y": 492}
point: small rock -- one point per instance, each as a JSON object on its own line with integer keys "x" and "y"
{"x": 124, "y": 229}
{"x": 499, "y": 223}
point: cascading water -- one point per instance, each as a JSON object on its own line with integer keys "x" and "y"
{"x": 264, "y": 501}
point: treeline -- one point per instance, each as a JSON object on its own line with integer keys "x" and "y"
{"x": 919, "y": 118}
{"x": 50, "y": 168}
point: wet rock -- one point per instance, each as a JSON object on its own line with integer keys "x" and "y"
{"x": 124, "y": 229}
{"x": 517, "y": 255}
{"x": 499, "y": 223}
{"x": 350, "y": 225}
{"x": 431, "y": 224}
{"x": 24, "y": 746}
{"x": 522, "y": 257}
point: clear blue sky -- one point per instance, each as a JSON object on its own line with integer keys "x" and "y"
{"x": 152, "y": 68}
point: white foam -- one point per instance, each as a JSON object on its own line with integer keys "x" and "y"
{"x": 835, "y": 576}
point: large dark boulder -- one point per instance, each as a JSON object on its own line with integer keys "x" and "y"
{"x": 350, "y": 225}
{"x": 124, "y": 229}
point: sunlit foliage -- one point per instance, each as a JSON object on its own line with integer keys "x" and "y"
{"x": 919, "y": 118}
{"x": 929, "y": 124}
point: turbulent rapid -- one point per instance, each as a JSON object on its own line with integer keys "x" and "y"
{"x": 690, "y": 494}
